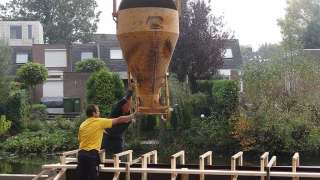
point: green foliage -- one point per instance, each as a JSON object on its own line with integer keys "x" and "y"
{"x": 72, "y": 20}
{"x": 56, "y": 135}
{"x": 64, "y": 124}
{"x": 194, "y": 134}
{"x": 148, "y": 123}
{"x": 225, "y": 94}
{"x": 205, "y": 86}
{"x": 4, "y": 124}
{"x": 281, "y": 109}
{"x": 101, "y": 90}
{"x": 17, "y": 109}
{"x": 311, "y": 35}
{"x": 32, "y": 74}
{"x": 299, "y": 25}
{"x": 90, "y": 65}
{"x": 118, "y": 86}
{"x": 38, "y": 112}
{"x": 5, "y": 58}
{"x": 40, "y": 142}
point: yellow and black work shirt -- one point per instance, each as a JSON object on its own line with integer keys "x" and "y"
{"x": 91, "y": 132}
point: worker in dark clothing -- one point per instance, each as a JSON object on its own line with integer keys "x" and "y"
{"x": 113, "y": 138}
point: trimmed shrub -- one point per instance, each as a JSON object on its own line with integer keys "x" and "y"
{"x": 32, "y": 74}
{"x": 102, "y": 88}
{"x": 90, "y": 65}
{"x": 39, "y": 112}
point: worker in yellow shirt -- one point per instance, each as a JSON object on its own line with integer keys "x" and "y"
{"x": 90, "y": 139}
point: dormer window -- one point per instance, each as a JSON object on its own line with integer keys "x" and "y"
{"x": 15, "y": 32}
{"x": 228, "y": 54}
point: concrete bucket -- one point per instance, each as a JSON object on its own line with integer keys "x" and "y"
{"x": 148, "y": 31}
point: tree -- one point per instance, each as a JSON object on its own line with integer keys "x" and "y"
{"x": 199, "y": 52}
{"x": 64, "y": 21}
{"x": 268, "y": 52}
{"x": 32, "y": 74}
{"x": 247, "y": 53}
{"x": 90, "y": 65}
{"x": 282, "y": 105}
{"x": 102, "y": 90}
{"x": 311, "y": 37}
{"x": 5, "y": 57}
{"x": 300, "y": 23}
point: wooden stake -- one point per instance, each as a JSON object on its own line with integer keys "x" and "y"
{"x": 208, "y": 156}
{"x": 234, "y": 158}
{"x": 295, "y": 164}
{"x": 263, "y": 163}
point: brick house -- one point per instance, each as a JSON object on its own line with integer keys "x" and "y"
{"x": 20, "y": 36}
{"x": 63, "y": 81}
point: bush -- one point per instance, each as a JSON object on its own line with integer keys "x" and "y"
{"x": 148, "y": 123}
{"x": 102, "y": 88}
{"x": 4, "y": 124}
{"x": 34, "y": 125}
{"x": 205, "y": 86}
{"x": 40, "y": 142}
{"x": 90, "y": 65}
{"x": 32, "y": 74}
{"x": 17, "y": 109}
{"x": 39, "y": 112}
{"x": 225, "y": 94}
{"x": 118, "y": 86}
{"x": 64, "y": 123}
{"x": 280, "y": 112}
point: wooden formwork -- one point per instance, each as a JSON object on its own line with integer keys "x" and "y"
{"x": 146, "y": 167}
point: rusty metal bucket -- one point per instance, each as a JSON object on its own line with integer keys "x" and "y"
{"x": 148, "y": 31}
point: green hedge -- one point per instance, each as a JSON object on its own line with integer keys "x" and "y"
{"x": 17, "y": 109}
{"x": 40, "y": 142}
{"x": 225, "y": 94}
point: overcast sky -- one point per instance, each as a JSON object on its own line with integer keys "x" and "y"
{"x": 253, "y": 22}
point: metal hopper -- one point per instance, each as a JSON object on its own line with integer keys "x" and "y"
{"x": 148, "y": 31}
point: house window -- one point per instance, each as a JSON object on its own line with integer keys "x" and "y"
{"x": 55, "y": 58}
{"x": 225, "y": 73}
{"x": 116, "y": 54}
{"x": 15, "y": 32}
{"x": 86, "y": 55}
{"x": 53, "y": 88}
{"x": 228, "y": 54}
{"x": 21, "y": 58}
{"x": 29, "y": 31}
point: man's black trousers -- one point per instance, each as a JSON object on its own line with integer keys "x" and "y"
{"x": 88, "y": 163}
